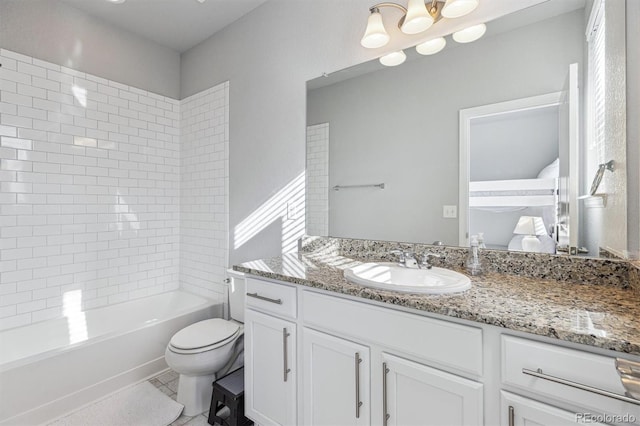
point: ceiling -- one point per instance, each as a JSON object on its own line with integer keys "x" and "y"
{"x": 177, "y": 24}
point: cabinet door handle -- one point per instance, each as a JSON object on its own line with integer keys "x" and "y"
{"x": 539, "y": 374}
{"x": 385, "y": 413}
{"x": 266, "y": 299}
{"x": 358, "y": 402}
{"x": 511, "y": 416}
{"x": 285, "y": 355}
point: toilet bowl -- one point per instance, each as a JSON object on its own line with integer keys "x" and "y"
{"x": 199, "y": 353}
{"x": 207, "y": 350}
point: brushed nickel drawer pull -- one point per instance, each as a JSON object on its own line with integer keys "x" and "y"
{"x": 358, "y": 402}
{"x": 285, "y": 353}
{"x": 512, "y": 416}
{"x": 385, "y": 413}
{"x": 539, "y": 374}
{"x": 266, "y": 299}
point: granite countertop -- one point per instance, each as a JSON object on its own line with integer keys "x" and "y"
{"x": 600, "y": 316}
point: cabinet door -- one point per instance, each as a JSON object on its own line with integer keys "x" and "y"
{"x": 415, "y": 394}
{"x": 519, "y": 411}
{"x": 270, "y": 369}
{"x": 336, "y": 380}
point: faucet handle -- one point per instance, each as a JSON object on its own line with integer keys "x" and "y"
{"x": 400, "y": 253}
{"x": 425, "y": 259}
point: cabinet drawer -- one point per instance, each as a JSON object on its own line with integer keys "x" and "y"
{"x": 270, "y": 297}
{"x": 519, "y": 411}
{"x": 411, "y": 334}
{"x": 520, "y": 356}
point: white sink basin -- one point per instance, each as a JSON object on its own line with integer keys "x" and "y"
{"x": 395, "y": 277}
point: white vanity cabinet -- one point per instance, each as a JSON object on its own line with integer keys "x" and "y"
{"x": 585, "y": 385}
{"x": 318, "y": 358}
{"x": 517, "y": 410}
{"x": 415, "y": 394}
{"x": 402, "y": 391}
{"x": 335, "y": 380}
{"x": 270, "y": 354}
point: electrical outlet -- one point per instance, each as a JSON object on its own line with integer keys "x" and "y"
{"x": 450, "y": 212}
{"x": 292, "y": 211}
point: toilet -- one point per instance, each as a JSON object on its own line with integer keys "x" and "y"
{"x": 207, "y": 350}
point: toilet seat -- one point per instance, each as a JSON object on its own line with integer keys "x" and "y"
{"x": 204, "y": 336}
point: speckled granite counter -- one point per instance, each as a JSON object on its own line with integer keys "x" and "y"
{"x": 601, "y": 316}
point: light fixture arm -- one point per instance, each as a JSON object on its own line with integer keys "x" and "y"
{"x": 433, "y": 7}
{"x": 375, "y": 8}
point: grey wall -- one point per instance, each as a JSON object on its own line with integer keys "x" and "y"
{"x": 403, "y": 130}
{"x": 515, "y": 145}
{"x": 53, "y": 31}
{"x": 268, "y": 56}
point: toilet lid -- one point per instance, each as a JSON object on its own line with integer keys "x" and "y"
{"x": 204, "y": 333}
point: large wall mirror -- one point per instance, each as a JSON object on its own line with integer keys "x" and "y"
{"x": 388, "y": 157}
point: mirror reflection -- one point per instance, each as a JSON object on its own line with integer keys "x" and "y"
{"x": 492, "y": 137}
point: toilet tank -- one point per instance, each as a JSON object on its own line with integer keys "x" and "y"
{"x": 236, "y": 294}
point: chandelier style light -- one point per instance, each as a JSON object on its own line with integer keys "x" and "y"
{"x": 419, "y": 17}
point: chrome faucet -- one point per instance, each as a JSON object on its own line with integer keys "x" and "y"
{"x": 409, "y": 260}
{"x": 425, "y": 264}
{"x": 406, "y": 258}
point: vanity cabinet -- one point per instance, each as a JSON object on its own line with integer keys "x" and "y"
{"x": 585, "y": 384}
{"x": 315, "y": 358}
{"x": 403, "y": 391}
{"x": 415, "y": 394}
{"x": 270, "y": 355}
{"x": 520, "y": 411}
{"x": 335, "y": 380}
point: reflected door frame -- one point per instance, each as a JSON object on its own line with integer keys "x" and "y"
{"x": 469, "y": 114}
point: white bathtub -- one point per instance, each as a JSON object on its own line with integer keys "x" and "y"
{"x": 52, "y": 367}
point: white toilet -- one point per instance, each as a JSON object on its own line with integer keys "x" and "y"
{"x": 206, "y": 350}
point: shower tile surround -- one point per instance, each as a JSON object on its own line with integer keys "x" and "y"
{"x": 98, "y": 186}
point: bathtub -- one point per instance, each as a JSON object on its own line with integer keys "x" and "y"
{"x": 52, "y": 367}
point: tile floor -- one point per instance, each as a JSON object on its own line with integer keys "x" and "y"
{"x": 168, "y": 383}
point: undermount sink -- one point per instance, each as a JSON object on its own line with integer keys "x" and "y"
{"x": 395, "y": 277}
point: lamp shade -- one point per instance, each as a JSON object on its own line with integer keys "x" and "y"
{"x": 530, "y": 225}
{"x": 470, "y": 34}
{"x": 432, "y": 46}
{"x": 417, "y": 18}
{"x": 394, "y": 58}
{"x": 458, "y": 8}
{"x": 375, "y": 35}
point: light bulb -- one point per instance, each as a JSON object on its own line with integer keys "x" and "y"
{"x": 431, "y": 47}
{"x": 417, "y": 18}
{"x": 470, "y": 34}
{"x": 375, "y": 35}
{"x": 394, "y": 58}
{"x": 458, "y": 8}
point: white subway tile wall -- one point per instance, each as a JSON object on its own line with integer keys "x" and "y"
{"x": 90, "y": 180}
{"x": 318, "y": 180}
{"x": 204, "y": 192}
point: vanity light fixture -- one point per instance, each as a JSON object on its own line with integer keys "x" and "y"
{"x": 418, "y": 17}
{"x": 431, "y": 47}
{"x": 470, "y": 34}
{"x": 458, "y": 8}
{"x": 394, "y": 58}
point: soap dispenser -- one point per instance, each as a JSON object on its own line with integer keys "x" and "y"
{"x": 481, "y": 244}
{"x": 473, "y": 261}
